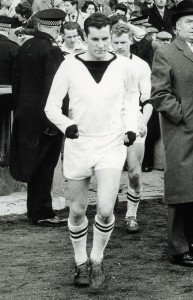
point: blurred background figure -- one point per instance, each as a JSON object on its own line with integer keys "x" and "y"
{"x": 147, "y": 4}
{"x": 39, "y": 5}
{"x": 131, "y": 7}
{"x": 89, "y": 7}
{"x": 73, "y": 13}
{"x": 152, "y": 31}
{"x": 29, "y": 23}
{"x": 164, "y": 37}
{"x": 159, "y": 16}
{"x": 120, "y": 9}
{"x": 8, "y": 8}
{"x": 103, "y": 6}
{"x": 60, "y": 40}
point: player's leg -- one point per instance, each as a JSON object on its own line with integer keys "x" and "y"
{"x": 108, "y": 181}
{"x": 78, "y": 227}
{"x": 134, "y": 161}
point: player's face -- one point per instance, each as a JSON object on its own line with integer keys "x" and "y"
{"x": 98, "y": 42}
{"x": 185, "y": 28}
{"x": 70, "y": 37}
{"x": 121, "y": 44}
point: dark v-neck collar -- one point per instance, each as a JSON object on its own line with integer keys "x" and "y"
{"x": 96, "y": 68}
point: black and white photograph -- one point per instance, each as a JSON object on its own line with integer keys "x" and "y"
{"x": 96, "y": 149}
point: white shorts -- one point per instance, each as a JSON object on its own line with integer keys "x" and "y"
{"x": 86, "y": 154}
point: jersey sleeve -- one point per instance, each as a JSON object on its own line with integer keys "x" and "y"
{"x": 131, "y": 99}
{"x": 145, "y": 83}
{"x": 58, "y": 91}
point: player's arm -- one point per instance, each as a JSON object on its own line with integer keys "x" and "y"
{"x": 131, "y": 103}
{"x": 53, "y": 108}
{"x": 145, "y": 91}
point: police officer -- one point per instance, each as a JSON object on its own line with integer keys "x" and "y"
{"x": 36, "y": 142}
{"x": 8, "y": 51}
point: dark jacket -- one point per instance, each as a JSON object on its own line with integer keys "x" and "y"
{"x": 37, "y": 62}
{"x": 162, "y": 24}
{"x": 143, "y": 49}
{"x": 8, "y": 51}
{"x": 172, "y": 92}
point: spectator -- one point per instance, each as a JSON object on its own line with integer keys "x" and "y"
{"x": 159, "y": 16}
{"x": 39, "y": 5}
{"x": 131, "y": 6}
{"x": 74, "y": 14}
{"x": 164, "y": 37}
{"x": 89, "y": 7}
{"x": 26, "y": 17}
{"x": 103, "y": 7}
{"x": 120, "y": 9}
{"x": 147, "y": 4}
{"x": 8, "y": 8}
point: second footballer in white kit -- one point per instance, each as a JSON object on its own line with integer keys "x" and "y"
{"x": 96, "y": 82}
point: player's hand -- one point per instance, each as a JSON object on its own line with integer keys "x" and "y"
{"x": 130, "y": 138}
{"x": 142, "y": 129}
{"x": 72, "y": 132}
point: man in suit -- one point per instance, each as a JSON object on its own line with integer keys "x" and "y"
{"x": 172, "y": 92}
{"x": 8, "y": 50}
{"x": 74, "y": 14}
{"x": 36, "y": 142}
{"x": 103, "y": 7}
{"x": 159, "y": 16}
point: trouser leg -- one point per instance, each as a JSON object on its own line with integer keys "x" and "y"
{"x": 39, "y": 200}
{"x": 177, "y": 241}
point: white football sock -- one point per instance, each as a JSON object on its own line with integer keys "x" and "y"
{"x": 101, "y": 236}
{"x": 78, "y": 236}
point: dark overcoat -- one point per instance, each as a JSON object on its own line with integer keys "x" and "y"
{"x": 172, "y": 95}
{"x": 37, "y": 62}
{"x": 8, "y": 51}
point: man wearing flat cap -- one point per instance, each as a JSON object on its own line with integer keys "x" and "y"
{"x": 172, "y": 96}
{"x": 164, "y": 37}
{"x": 36, "y": 142}
{"x": 8, "y": 50}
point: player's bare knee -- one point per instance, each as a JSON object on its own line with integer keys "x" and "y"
{"x": 135, "y": 179}
{"x": 105, "y": 216}
{"x": 78, "y": 211}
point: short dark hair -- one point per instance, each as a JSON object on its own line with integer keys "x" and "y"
{"x": 97, "y": 20}
{"x": 121, "y": 6}
{"x": 73, "y": 2}
{"x": 72, "y": 26}
{"x": 116, "y": 18}
{"x": 24, "y": 9}
{"x": 86, "y": 5}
